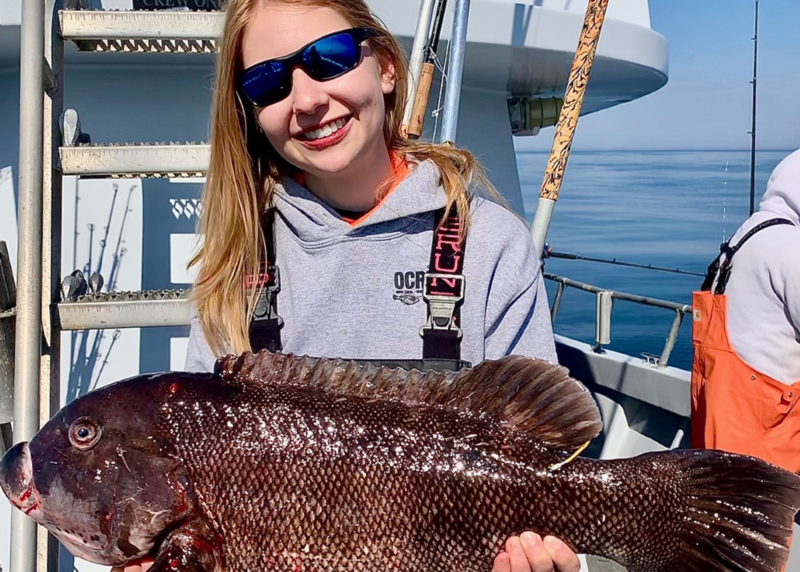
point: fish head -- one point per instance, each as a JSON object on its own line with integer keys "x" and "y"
{"x": 101, "y": 475}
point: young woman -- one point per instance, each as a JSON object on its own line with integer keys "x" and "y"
{"x": 327, "y": 233}
{"x": 307, "y": 121}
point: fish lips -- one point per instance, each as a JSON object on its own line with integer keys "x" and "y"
{"x": 16, "y": 478}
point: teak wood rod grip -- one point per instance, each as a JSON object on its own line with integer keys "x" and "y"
{"x": 421, "y": 101}
{"x": 573, "y": 100}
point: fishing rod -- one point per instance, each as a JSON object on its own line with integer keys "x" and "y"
{"x": 104, "y": 242}
{"x": 568, "y": 119}
{"x": 114, "y": 338}
{"x": 116, "y": 261}
{"x": 417, "y": 58}
{"x": 426, "y": 75}
{"x": 563, "y": 255}
{"x": 753, "y": 129}
{"x": 87, "y": 268}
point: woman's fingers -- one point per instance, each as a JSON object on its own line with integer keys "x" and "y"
{"x": 538, "y": 556}
{"x": 142, "y": 565}
{"x": 516, "y": 554}
{"x": 564, "y": 559}
{"x": 502, "y": 563}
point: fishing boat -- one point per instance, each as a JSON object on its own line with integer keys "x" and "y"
{"x": 120, "y": 169}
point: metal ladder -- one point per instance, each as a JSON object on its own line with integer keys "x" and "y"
{"x": 51, "y": 146}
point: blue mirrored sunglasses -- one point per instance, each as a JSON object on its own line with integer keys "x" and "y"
{"x": 328, "y": 57}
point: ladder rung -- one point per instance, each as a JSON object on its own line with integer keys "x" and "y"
{"x": 142, "y": 31}
{"x": 126, "y": 310}
{"x": 145, "y": 160}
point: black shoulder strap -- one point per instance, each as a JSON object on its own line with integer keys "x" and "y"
{"x": 265, "y": 323}
{"x": 722, "y": 268}
{"x": 443, "y": 290}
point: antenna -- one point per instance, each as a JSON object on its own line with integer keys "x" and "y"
{"x": 753, "y": 129}
{"x": 724, "y": 202}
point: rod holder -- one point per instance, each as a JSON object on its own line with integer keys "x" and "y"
{"x": 605, "y": 303}
{"x": 557, "y": 301}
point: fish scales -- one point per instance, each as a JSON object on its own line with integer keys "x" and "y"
{"x": 293, "y": 464}
{"x": 400, "y": 491}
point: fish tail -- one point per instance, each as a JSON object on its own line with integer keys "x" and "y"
{"x": 734, "y": 514}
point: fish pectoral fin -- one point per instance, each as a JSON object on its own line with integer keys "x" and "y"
{"x": 534, "y": 397}
{"x": 192, "y": 547}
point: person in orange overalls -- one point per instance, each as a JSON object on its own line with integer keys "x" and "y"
{"x": 746, "y": 333}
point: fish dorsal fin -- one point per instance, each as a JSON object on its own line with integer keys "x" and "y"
{"x": 526, "y": 395}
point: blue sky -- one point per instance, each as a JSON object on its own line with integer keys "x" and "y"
{"x": 706, "y": 103}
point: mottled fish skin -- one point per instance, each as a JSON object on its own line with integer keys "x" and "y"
{"x": 337, "y": 487}
{"x": 318, "y": 465}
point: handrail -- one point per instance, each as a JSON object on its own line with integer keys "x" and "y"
{"x": 603, "y": 314}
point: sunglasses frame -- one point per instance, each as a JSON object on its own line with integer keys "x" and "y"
{"x": 296, "y": 60}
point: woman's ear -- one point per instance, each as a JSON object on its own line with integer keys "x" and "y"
{"x": 388, "y": 78}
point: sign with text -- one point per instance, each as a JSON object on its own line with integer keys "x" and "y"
{"x": 177, "y": 4}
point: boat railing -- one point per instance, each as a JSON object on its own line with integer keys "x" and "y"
{"x": 604, "y": 307}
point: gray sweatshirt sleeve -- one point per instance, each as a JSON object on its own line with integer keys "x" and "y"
{"x": 199, "y": 357}
{"x": 517, "y": 312}
{"x": 523, "y": 325}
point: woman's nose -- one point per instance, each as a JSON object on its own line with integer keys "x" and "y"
{"x": 308, "y": 94}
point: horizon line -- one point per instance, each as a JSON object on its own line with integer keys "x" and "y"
{"x": 665, "y": 150}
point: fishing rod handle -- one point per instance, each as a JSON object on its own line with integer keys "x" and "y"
{"x": 421, "y": 101}
{"x": 573, "y": 100}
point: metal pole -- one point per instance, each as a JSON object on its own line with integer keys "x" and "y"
{"x": 452, "y": 98}
{"x": 49, "y": 365}
{"x": 568, "y": 120}
{"x": 29, "y": 260}
{"x": 663, "y": 361}
{"x": 418, "y": 55}
{"x": 8, "y": 300}
{"x": 753, "y": 128}
{"x": 557, "y": 301}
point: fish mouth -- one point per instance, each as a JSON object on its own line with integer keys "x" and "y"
{"x": 16, "y": 478}
{"x": 17, "y": 482}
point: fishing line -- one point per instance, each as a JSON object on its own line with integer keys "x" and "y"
{"x": 566, "y": 256}
{"x": 443, "y": 69}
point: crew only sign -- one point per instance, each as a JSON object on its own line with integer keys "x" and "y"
{"x": 177, "y": 4}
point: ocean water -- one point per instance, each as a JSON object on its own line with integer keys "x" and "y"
{"x": 665, "y": 208}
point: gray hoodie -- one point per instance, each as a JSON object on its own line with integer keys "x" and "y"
{"x": 764, "y": 287}
{"x": 356, "y": 292}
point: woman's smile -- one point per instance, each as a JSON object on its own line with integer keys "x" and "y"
{"x": 327, "y": 135}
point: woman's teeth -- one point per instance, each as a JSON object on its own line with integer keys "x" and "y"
{"x": 326, "y": 130}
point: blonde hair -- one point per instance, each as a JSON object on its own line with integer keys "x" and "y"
{"x": 244, "y": 170}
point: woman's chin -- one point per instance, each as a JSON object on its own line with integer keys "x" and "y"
{"x": 332, "y": 166}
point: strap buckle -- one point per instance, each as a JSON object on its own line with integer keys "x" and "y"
{"x": 265, "y": 305}
{"x": 442, "y": 305}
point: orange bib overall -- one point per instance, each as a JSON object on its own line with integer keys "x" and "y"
{"x": 736, "y": 408}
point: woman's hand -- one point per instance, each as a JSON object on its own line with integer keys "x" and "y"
{"x": 525, "y": 553}
{"x": 529, "y": 553}
{"x": 142, "y": 565}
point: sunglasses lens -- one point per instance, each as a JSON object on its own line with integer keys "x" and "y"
{"x": 327, "y": 58}
{"x": 267, "y": 83}
{"x": 331, "y": 57}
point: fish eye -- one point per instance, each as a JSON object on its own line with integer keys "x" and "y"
{"x": 84, "y": 433}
